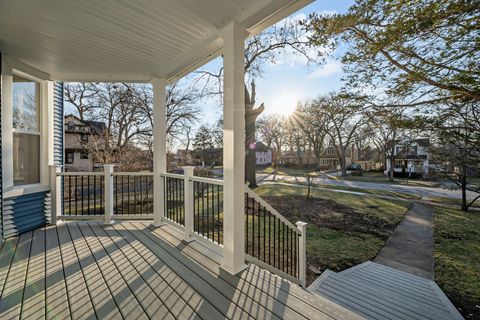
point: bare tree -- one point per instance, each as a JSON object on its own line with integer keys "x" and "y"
{"x": 83, "y": 97}
{"x": 311, "y": 119}
{"x": 272, "y": 132}
{"x": 345, "y": 116}
{"x": 383, "y": 130}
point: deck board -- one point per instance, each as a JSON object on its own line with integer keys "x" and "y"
{"x": 261, "y": 287}
{"x": 256, "y": 306}
{"x": 178, "y": 289}
{"x": 126, "y": 301}
{"x": 178, "y": 307}
{"x": 227, "y": 305}
{"x": 105, "y": 307}
{"x": 88, "y": 270}
{"x": 80, "y": 302}
{"x": 6, "y": 255}
{"x": 12, "y": 295}
{"x": 34, "y": 294}
{"x": 56, "y": 294}
{"x": 153, "y": 307}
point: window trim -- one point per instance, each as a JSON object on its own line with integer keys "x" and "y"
{"x": 39, "y": 117}
{"x": 45, "y": 103}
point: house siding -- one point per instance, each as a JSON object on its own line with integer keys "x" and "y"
{"x": 1, "y": 181}
{"x": 24, "y": 213}
{"x": 58, "y": 123}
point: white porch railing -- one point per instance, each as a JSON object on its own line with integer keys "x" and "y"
{"x": 192, "y": 204}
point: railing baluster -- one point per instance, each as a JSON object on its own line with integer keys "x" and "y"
{"x": 264, "y": 232}
{"x": 269, "y": 236}
{"x": 274, "y": 241}
{"x": 217, "y": 223}
{"x": 88, "y": 195}
{"x": 208, "y": 212}
{"x": 258, "y": 230}
{"x": 69, "y": 195}
{"x": 142, "y": 199}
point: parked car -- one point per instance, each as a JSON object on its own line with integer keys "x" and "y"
{"x": 356, "y": 169}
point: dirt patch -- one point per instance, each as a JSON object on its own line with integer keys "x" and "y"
{"x": 330, "y": 214}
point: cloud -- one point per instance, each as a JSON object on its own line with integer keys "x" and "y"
{"x": 330, "y": 68}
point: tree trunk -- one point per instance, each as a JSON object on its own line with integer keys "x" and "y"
{"x": 392, "y": 161}
{"x": 251, "y": 115}
{"x": 250, "y": 159}
{"x": 343, "y": 162}
{"x": 464, "y": 188}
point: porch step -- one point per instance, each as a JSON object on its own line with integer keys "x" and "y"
{"x": 375, "y": 291}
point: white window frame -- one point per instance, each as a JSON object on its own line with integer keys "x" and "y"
{"x": 45, "y": 103}
{"x": 38, "y": 132}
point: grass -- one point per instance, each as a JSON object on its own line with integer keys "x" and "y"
{"x": 391, "y": 211}
{"x": 457, "y": 258}
{"x": 342, "y": 246}
{"x": 453, "y": 201}
{"x": 379, "y": 177}
{"x": 293, "y": 172}
{"x": 378, "y": 192}
{"x": 374, "y": 177}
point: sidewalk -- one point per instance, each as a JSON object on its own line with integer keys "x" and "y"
{"x": 410, "y": 247}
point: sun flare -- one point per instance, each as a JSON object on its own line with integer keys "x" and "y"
{"x": 285, "y": 103}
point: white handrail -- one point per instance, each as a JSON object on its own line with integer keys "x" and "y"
{"x": 142, "y": 173}
{"x": 259, "y": 199}
{"x": 173, "y": 175}
{"x": 207, "y": 180}
{"x": 80, "y": 173}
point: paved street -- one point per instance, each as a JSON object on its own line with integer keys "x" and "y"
{"x": 424, "y": 192}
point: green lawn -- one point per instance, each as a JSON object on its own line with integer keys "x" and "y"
{"x": 378, "y": 192}
{"x": 379, "y": 177}
{"x": 293, "y": 172}
{"x": 453, "y": 201}
{"x": 391, "y": 211}
{"x": 339, "y": 246}
{"x": 457, "y": 258}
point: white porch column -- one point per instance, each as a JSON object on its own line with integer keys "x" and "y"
{"x": 233, "y": 36}
{"x": 159, "y": 148}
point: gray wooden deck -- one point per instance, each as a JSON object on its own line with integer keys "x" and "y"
{"x": 375, "y": 291}
{"x": 134, "y": 271}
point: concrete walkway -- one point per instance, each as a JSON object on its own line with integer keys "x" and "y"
{"x": 410, "y": 247}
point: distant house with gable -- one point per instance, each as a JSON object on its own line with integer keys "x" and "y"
{"x": 78, "y": 135}
{"x": 410, "y": 158}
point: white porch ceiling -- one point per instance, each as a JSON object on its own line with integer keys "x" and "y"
{"x": 126, "y": 40}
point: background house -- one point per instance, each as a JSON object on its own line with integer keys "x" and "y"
{"x": 329, "y": 158}
{"x": 409, "y": 156}
{"x": 81, "y": 137}
{"x": 297, "y": 159}
{"x": 208, "y": 157}
{"x": 263, "y": 154}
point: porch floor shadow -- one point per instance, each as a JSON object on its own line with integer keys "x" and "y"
{"x": 87, "y": 270}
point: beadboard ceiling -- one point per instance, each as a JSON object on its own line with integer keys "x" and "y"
{"x": 126, "y": 40}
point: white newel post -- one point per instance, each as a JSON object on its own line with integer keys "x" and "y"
{"x": 108, "y": 180}
{"x": 234, "y": 36}
{"x": 55, "y": 192}
{"x": 302, "y": 253}
{"x": 159, "y": 148}
{"x": 189, "y": 196}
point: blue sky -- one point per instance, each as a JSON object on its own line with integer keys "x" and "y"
{"x": 290, "y": 80}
